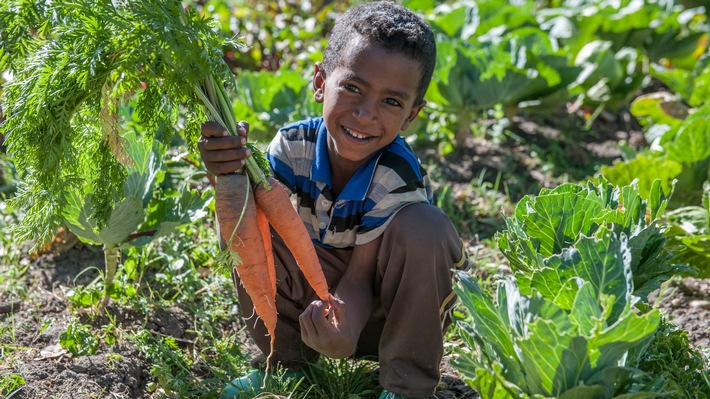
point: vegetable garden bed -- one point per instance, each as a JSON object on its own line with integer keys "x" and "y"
{"x": 130, "y": 368}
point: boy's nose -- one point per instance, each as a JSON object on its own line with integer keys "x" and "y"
{"x": 365, "y": 111}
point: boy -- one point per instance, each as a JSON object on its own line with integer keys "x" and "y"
{"x": 385, "y": 250}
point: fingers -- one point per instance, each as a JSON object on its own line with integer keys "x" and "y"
{"x": 224, "y": 168}
{"x": 308, "y": 329}
{"x": 336, "y": 303}
{"x": 313, "y": 320}
{"x": 336, "y": 311}
{"x": 215, "y": 137}
{"x": 221, "y": 152}
{"x": 223, "y": 155}
{"x": 213, "y": 143}
{"x": 214, "y": 129}
{"x": 243, "y": 128}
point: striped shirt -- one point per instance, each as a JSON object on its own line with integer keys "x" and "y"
{"x": 388, "y": 181}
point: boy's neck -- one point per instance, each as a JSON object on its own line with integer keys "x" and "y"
{"x": 339, "y": 177}
{"x": 341, "y": 171}
{"x": 338, "y": 180}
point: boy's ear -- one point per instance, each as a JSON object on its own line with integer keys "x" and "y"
{"x": 318, "y": 83}
{"x": 413, "y": 114}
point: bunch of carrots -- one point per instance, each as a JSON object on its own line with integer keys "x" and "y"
{"x": 245, "y": 205}
{"x": 94, "y": 55}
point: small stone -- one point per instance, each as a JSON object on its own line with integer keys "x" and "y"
{"x": 700, "y": 303}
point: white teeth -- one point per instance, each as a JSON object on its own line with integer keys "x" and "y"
{"x": 356, "y": 135}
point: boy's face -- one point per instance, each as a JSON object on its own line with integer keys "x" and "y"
{"x": 367, "y": 100}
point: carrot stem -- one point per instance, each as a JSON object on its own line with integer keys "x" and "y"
{"x": 220, "y": 112}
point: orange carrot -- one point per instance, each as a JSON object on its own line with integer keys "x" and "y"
{"x": 268, "y": 246}
{"x": 279, "y": 211}
{"x": 250, "y": 237}
{"x": 245, "y": 238}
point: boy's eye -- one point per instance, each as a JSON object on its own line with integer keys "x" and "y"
{"x": 393, "y": 102}
{"x": 352, "y": 88}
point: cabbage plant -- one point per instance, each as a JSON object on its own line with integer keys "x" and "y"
{"x": 689, "y": 235}
{"x": 526, "y": 346}
{"x": 544, "y": 226}
{"x": 141, "y": 213}
{"x": 572, "y": 322}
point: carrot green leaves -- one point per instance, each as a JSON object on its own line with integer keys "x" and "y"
{"x": 74, "y": 63}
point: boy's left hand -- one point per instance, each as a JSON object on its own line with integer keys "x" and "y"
{"x": 325, "y": 328}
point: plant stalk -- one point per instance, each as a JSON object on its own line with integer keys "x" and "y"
{"x": 221, "y": 112}
{"x": 111, "y": 256}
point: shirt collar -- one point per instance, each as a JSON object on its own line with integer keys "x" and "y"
{"x": 359, "y": 184}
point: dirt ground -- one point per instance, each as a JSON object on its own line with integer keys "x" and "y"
{"x": 117, "y": 372}
{"x": 49, "y": 371}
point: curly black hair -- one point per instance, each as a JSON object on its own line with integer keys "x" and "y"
{"x": 389, "y": 25}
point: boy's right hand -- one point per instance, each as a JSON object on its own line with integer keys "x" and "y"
{"x": 220, "y": 152}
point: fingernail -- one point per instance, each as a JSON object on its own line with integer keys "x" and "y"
{"x": 243, "y": 141}
{"x": 248, "y": 152}
{"x": 225, "y": 133}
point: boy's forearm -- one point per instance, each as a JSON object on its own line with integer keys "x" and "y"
{"x": 356, "y": 289}
{"x": 357, "y": 298}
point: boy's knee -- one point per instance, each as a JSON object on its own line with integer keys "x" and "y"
{"x": 421, "y": 224}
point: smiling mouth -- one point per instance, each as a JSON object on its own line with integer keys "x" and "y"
{"x": 357, "y": 135}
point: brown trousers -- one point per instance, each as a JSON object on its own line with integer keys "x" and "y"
{"x": 413, "y": 294}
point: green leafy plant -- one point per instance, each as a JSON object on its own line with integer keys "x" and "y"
{"x": 680, "y": 152}
{"x": 81, "y": 296}
{"x": 178, "y": 265}
{"x": 78, "y": 339}
{"x": 170, "y": 366}
{"x": 79, "y": 159}
{"x": 517, "y": 69}
{"x": 608, "y": 78}
{"x": 10, "y": 383}
{"x": 63, "y": 127}
{"x": 137, "y": 217}
{"x": 670, "y": 358}
{"x": 573, "y": 321}
{"x": 278, "y": 35}
{"x": 661, "y": 30}
{"x": 679, "y": 137}
{"x": 689, "y": 235}
{"x": 468, "y": 20}
{"x": 172, "y": 270}
{"x": 618, "y": 43}
{"x": 270, "y": 100}
{"x": 526, "y": 346}
{"x": 554, "y": 221}
{"x": 175, "y": 367}
{"x": 691, "y": 85}
{"x": 340, "y": 378}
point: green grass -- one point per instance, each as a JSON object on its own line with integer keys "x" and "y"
{"x": 216, "y": 355}
{"x": 171, "y": 272}
{"x": 10, "y": 384}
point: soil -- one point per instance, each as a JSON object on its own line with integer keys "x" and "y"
{"x": 120, "y": 371}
